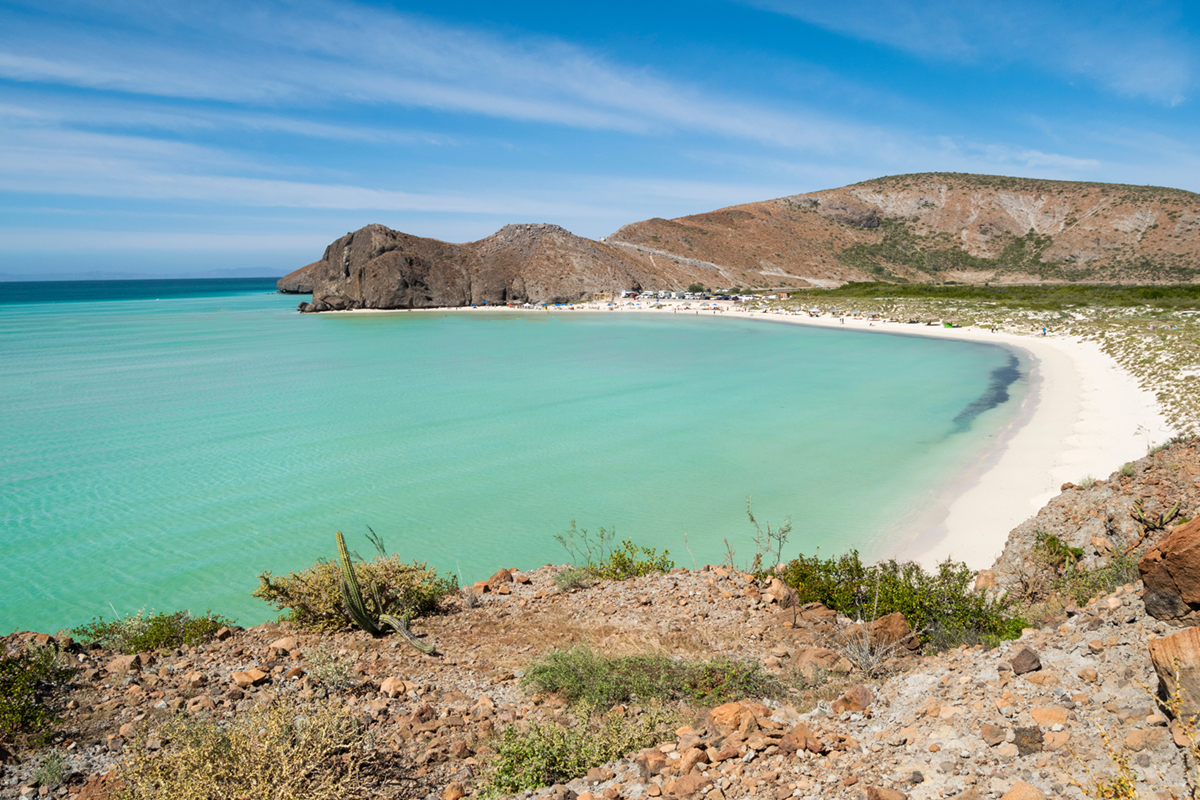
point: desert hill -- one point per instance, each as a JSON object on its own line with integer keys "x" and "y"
{"x": 929, "y": 227}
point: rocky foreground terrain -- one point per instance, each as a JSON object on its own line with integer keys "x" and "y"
{"x": 1044, "y": 716}
{"x": 930, "y": 227}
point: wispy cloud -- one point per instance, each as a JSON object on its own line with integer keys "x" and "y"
{"x": 321, "y": 54}
{"x": 1133, "y": 49}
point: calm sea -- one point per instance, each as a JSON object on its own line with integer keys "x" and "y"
{"x": 162, "y": 443}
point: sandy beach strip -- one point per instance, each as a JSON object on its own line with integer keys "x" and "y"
{"x": 1084, "y": 415}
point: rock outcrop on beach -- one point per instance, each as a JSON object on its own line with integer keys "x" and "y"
{"x": 1101, "y": 518}
{"x": 929, "y": 227}
{"x": 376, "y": 267}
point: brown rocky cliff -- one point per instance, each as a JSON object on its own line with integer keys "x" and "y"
{"x": 942, "y": 226}
{"x": 376, "y": 267}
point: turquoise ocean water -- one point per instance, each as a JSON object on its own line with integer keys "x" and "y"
{"x": 161, "y": 445}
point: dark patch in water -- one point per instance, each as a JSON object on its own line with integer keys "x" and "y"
{"x": 995, "y": 394}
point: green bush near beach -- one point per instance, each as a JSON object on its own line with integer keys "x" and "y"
{"x": 29, "y": 679}
{"x": 313, "y": 599}
{"x": 583, "y": 677}
{"x": 140, "y": 632}
{"x": 941, "y": 606}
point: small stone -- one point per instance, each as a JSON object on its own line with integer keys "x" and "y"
{"x": 392, "y": 686}
{"x": 993, "y": 734}
{"x": 251, "y": 677}
{"x": 1023, "y": 791}
{"x": 1088, "y": 674}
{"x": 1049, "y": 716}
{"x": 653, "y": 790}
{"x": 1135, "y": 740}
{"x": 201, "y": 703}
{"x": 1026, "y": 661}
{"x": 285, "y": 644}
{"x": 453, "y": 791}
{"x": 122, "y": 664}
{"x": 880, "y": 793}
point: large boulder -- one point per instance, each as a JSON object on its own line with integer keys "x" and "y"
{"x": 1171, "y": 573}
{"x": 1179, "y": 651}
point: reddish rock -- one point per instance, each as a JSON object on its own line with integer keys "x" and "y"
{"x": 650, "y": 762}
{"x": 1023, "y": 791}
{"x": 880, "y": 793}
{"x": 122, "y": 664}
{"x": 857, "y": 698}
{"x": 893, "y": 630}
{"x": 1171, "y": 573}
{"x": 1182, "y": 648}
{"x": 800, "y": 738}
{"x": 691, "y": 784}
{"x": 248, "y": 678}
{"x": 733, "y": 717}
{"x": 992, "y": 734}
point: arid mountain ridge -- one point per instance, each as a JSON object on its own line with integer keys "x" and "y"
{"x": 928, "y": 227}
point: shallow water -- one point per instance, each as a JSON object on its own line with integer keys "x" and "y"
{"x": 162, "y": 452}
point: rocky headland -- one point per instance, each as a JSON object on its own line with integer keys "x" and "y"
{"x": 929, "y": 227}
{"x": 1069, "y": 706}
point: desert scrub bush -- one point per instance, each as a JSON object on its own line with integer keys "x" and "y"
{"x": 313, "y": 597}
{"x": 141, "y": 632}
{"x": 1128, "y": 469}
{"x": 328, "y": 669}
{"x": 1080, "y": 585}
{"x": 582, "y": 676}
{"x": 284, "y": 752}
{"x": 29, "y": 681}
{"x": 51, "y": 770}
{"x": 600, "y": 560}
{"x": 530, "y": 757}
{"x": 943, "y": 600}
{"x": 632, "y": 561}
{"x": 567, "y": 579}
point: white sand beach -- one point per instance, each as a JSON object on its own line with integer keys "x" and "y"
{"x": 1083, "y": 416}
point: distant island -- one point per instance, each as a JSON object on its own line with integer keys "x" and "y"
{"x": 923, "y": 228}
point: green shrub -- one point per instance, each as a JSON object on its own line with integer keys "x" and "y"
{"x": 51, "y": 770}
{"x": 140, "y": 633}
{"x": 1057, "y": 554}
{"x": 543, "y": 755}
{"x": 567, "y": 579}
{"x": 29, "y": 680}
{"x": 313, "y": 597}
{"x": 941, "y": 605}
{"x": 632, "y": 561}
{"x": 1128, "y": 469}
{"x": 1080, "y": 585}
{"x": 582, "y": 676}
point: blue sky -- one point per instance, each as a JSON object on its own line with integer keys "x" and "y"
{"x": 170, "y": 138}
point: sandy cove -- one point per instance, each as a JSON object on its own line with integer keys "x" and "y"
{"x": 1084, "y": 415}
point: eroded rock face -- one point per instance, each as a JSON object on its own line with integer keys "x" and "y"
{"x": 377, "y": 267}
{"x": 1171, "y": 573}
{"x": 1179, "y": 651}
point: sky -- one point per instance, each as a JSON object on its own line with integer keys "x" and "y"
{"x": 152, "y": 138}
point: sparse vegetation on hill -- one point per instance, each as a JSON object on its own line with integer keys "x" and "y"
{"x": 941, "y": 607}
{"x": 141, "y": 632}
{"x": 313, "y": 598}
{"x": 584, "y": 677}
{"x": 30, "y": 679}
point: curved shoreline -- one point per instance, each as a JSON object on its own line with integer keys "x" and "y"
{"x": 1083, "y": 415}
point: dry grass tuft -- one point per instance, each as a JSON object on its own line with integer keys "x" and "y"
{"x": 285, "y": 752}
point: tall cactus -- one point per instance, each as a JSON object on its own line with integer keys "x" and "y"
{"x": 369, "y": 619}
